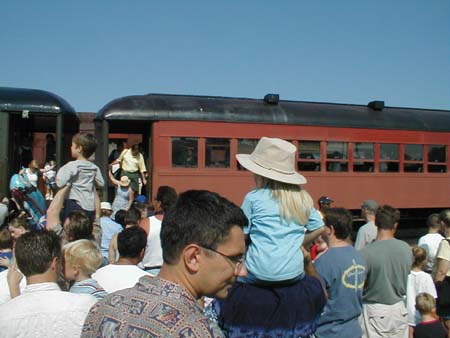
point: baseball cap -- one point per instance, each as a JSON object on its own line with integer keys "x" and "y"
{"x": 325, "y": 200}
{"x": 370, "y": 205}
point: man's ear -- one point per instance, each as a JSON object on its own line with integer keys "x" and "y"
{"x": 54, "y": 263}
{"x": 191, "y": 256}
{"x": 395, "y": 226}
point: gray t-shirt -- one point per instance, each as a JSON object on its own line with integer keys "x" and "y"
{"x": 366, "y": 234}
{"x": 82, "y": 175}
{"x": 388, "y": 263}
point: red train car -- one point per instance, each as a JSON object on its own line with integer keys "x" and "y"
{"x": 397, "y": 156}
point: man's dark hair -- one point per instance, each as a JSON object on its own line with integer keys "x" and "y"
{"x": 120, "y": 217}
{"x": 386, "y": 217}
{"x": 167, "y": 196}
{"x": 34, "y": 251}
{"x": 80, "y": 226}
{"x": 201, "y": 217}
{"x": 341, "y": 220}
{"x": 87, "y": 142}
{"x": 132, "y": 216}
{"x": 131, "y": 241}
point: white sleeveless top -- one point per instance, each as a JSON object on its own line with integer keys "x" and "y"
{"x": 153, "y": 250}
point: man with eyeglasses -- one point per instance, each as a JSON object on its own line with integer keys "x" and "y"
{"x": 203, "y": 251}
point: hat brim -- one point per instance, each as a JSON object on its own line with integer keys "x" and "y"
{"x": 124, "y": 184}
{"x": 246, "y": 161}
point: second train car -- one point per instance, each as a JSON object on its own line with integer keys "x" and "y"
{"x": 397, "y": 156}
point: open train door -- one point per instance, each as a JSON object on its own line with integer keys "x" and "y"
{"x": 25, "y": 113}
{"x": 122, "y": 120}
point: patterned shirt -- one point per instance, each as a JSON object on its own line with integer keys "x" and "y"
{"x": 152, "y": 308}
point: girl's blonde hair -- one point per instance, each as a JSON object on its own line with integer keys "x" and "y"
{"x": 83, "y": 253}
{"x": 295, "y": 203}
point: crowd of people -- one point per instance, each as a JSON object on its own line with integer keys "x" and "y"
{"x": 197, "y": 265}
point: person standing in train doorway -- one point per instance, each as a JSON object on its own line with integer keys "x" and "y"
{"x": 281, "y": 217}
{"x": 132, "y": 165}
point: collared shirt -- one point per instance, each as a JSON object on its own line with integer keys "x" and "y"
{"x": 43, "y": 310}
{"x": 132, "y": 163}
{"x": 152, "y": 308}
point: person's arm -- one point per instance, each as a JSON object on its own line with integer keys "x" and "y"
{"x": 113, "y": 180}
{"x": 96, "y": 228}
{"x": 312, "y": 235}
{"x": 99, "y": 180}
{"x": 442, "y": 267}
{"x": 14, "y": 277}
{"x": 142, "y": 169}
{"x": 112, "y": 250}
{"x": 53, "y": 211}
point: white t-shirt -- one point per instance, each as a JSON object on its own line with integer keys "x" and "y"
{"x": 430, "y": 242}
{"x": 32, "y": 177}
{"x": 43, "y": 310}
{"x": 418, "y": 281}
{"x": 115, "y": 277}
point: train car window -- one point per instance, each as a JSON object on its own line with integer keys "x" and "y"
{"x": 337, "y": 156}
{"x": 309, "y": 155}
{"x": 245, "y": 146}
{"x": 389, "y": 158}
{"x": 437, "y": 158}
{"x": 413, "y": 158}
{"x": 217, "y": 153}
{"x": 363, "y": 157}
{"x": 184, "y": 152}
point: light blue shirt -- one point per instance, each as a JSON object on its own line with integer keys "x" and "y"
{"x": 109, "y": 229}
{"x": 274, "y": 253}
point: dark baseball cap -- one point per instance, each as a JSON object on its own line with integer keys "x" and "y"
{"x": 325, "y": 200}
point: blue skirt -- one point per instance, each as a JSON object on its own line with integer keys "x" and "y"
{"x": 287, "y": 310}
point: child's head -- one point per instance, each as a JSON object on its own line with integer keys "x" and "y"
{"x": 78, "y": 226}
{"x": 81, "y": 257}
{"x": 425, "y": 303}
{"x": 6, "y": 240}
{"x": 52, "y": 162}
{"x": 83, "y": 144}
{"x": 17, "y": 227}
{"x": 420, "y": 257}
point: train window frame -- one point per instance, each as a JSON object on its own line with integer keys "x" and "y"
{"x": 309, "y": 164}
{"x": 363, "y": 160}
{"x": 336, "y": 164}
{"x": 241, "y": 151}
{"x": 214, "y": 150}
{"x": 433, "y": 164}
{"x": 390, "y": 161}
{"x": 414, "y": 162}
{"x": 195, "y": 154}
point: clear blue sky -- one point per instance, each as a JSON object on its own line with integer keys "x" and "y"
{"x": 351, "y": 51}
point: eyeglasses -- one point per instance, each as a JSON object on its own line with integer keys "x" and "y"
{"x": 236, "y": 262}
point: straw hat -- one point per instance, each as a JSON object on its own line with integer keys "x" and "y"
{"x": 273, "y": 158}
{"x": 124, "y": 181}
